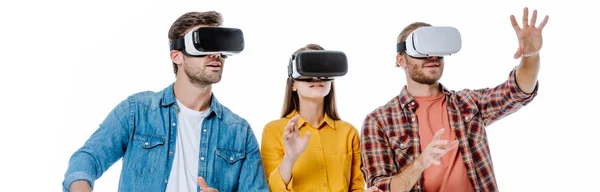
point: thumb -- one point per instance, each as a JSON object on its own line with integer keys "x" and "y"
{"x": 518, "y": 53}
{"x": 307, "y": 136}
{"x": 202, "y": 183}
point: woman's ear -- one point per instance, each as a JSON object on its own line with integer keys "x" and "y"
{"x": 294, "y": 86}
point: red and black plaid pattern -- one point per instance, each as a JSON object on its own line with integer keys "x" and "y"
{"x": 390, "y": 135}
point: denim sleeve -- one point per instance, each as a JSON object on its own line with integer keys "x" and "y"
{"x": 106, "y": 145}
{"x": 253, "y": 177}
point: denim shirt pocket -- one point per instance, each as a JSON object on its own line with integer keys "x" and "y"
{"x": 146, "y": 153}
{"x": 228, "y": 166}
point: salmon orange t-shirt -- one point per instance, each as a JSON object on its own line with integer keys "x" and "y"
{"x": 451, "y": 174}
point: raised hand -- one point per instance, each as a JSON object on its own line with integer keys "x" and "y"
{"x": 435, "y": 150}
{"x": 294, "y": 145}
{"x": 204, "y": 187}
{"x": 530, "y": 37}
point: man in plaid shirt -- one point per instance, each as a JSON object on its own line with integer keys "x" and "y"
{"x": 428, "y": 124}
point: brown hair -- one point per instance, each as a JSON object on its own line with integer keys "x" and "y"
{"x": 292, "y": 102}
{"x": 189, "y": 20}
{"x": 408, "y": 29}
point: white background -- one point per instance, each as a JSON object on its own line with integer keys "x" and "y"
{"x": 65, "y": 65}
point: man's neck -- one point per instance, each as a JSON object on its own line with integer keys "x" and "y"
{"x": 311, "y": 111}
{"x": 422, "y": 90}
{"x": 195, "y": 97}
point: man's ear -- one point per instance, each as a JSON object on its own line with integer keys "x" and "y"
{"x": 176, "y": 57}
{"x": 400, "y": 61}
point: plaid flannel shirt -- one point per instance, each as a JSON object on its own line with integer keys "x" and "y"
{"x": 390, "y": 135}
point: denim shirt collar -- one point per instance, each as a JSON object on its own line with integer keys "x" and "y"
{"x": 168, "y": 98}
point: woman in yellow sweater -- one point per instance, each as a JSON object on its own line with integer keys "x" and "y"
{"x": 309, "y": 148}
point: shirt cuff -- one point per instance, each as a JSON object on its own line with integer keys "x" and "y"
{"x": 75, "y": 176}
{"x": 517, "y": 93}
{"x": 276, "y": 182}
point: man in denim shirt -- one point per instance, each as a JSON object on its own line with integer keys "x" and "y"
{"x": 176, "y": 139}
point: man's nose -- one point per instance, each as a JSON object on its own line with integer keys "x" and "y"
{"x": 433, "y": 58}
{"x": 216, "y": 55}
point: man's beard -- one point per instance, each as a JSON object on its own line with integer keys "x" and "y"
{"x": 417, "y": 74}
{"x": 201, "y": 76}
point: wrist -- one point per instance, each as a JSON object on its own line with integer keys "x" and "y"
{"x": 419, "y": 164}
{"x": 291, "y": 159}
{"x": 80, "y": 186}
{"x": 531, "y": 54}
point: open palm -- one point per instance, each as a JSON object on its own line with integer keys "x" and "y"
{"x": 530, "y": 37}
{"x": 293, "y": 143}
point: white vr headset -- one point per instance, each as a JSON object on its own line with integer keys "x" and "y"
{"x": 431, "y": 41}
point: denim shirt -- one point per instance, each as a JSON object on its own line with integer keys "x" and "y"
{"x": 142, "y": 130}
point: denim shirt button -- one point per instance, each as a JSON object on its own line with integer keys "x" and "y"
{"x": 173, "y": 124}
{"x": 146, "y": 144}
{"x": 231, "y": 158}
{"x": 204, "y": 130}
{"x": 202, "y": 158}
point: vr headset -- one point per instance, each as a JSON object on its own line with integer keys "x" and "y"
{"x": 202, "y": 41}
{"x": 431, "y": 41}
{"x": 317, "y": 64}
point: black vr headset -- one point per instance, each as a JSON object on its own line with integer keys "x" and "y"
{"x": 202, "y": 41}
{"x": 317, "y": 64}
{"x": 431, "y": 41}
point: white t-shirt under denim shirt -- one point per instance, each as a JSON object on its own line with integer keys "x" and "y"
{"x": 184, "y": 172}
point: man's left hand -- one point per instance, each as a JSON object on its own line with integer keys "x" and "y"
{"x": 530, "y": 37}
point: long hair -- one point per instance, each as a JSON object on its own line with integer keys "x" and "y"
{"x": 291, "y": 100}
